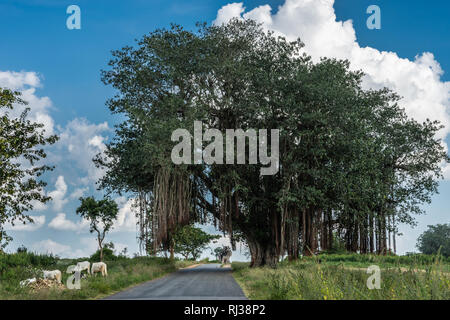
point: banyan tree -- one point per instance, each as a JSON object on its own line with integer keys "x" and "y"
{"x": 352, "y": 165}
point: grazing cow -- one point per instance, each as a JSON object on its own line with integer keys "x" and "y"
{"x": 84, "y": 265}
{"x": 27, "y": 282}
{"x": 53, "y": 275}
{"x": 99, "y": 267}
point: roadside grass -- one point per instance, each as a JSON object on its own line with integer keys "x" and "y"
{"x": 122, "y": 273}
{"x": 344, "y": 277}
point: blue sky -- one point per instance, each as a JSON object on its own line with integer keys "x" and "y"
{"x": 63, "y": 68}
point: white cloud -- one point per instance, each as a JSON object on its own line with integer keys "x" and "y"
{"x": 80, "y": 141}
{"x": 126, "y": 217}
{"x": 38, "y": 222}
{"x": 27, "y": 83}
{"x": 89, "y": 244}
{"x": 228, "y": 12}
{"x": 125, "y": 222}
{"x": 88, "y": 247}
{"x": 58, "y": 194}
{"x": 50, "y": 246}
{"x": 314, "y": 22}
{"x": 79, "y": 192}
{"x": 60, "y": 222}
{"x": 18, "y": 80}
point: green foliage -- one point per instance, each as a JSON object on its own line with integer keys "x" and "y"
{"x": 221, "y": 252}
{"x": 364, "y": 260}
{"x": 101, "y": 215}
{"x": 22, "y": 249}
{"x": 108, "y": 255}
{"x": 5, "y": 239}
{"x": 24, "y": 263}
{"x": 346, "y": 151}
{"x": 435, "y": 239}
{"x": 122, "y": 273}
{"x": 190, "y": 241}
{"x": 310, "y": 280}
{"x": 21, "y": 150}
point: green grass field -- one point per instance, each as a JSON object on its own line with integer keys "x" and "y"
{"x": 122, "y": 273}
{"x": 337, "y": 277}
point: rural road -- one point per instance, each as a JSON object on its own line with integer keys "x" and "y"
{"x": 205, "y": 282}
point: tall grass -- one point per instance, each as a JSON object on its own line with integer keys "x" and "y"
{"x": 323, "y": 279}
{"x": 122, "y": 273}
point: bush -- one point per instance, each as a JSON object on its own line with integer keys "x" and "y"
{"x": 108, "y": 255}
{"x": 22, "y": 249}
{"x": 24, "y": 264}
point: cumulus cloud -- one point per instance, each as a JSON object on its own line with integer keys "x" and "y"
{"x": 126, "y": 217}
{"x": 58, "y": 195}
{"x": 27, "y": 83}
{"x": 79, "y": 142}
{"x": 125, "y": 222}
{"x": 88, "y": 247}
{"x": 418, "y": 81}
{"x": 49, "y": 246}
{"x": 77, "y": 193}
{"x": 38, "y": 222}
{"x": 60, "y": 222}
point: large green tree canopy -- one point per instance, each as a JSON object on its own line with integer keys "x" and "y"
{"x": 21, "y": 149}
{"x": 352, "y": 164}
{"x": 435, "y": 239}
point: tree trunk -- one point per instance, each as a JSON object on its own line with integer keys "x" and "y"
{"x": 100, "y": 246}
{"x": 371, "y": 241}
{"x": 293, "y": 237}
{"x": 303, "y": 230}
{"x": 330, "y": 230}
{"x": 389, "y": 233}
{"x": 310, "y": 232}
{"x": 172, "y": 248}
{"x": 393, "y": 234}
{"x": 324, "y": 242}
{"x": 363, "y": 236}
{"x": 172, "y": 255}
{"x": 262, "y": 253}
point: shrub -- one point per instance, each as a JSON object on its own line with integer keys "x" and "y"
{"x": 108, "y": 255}
{"x": 23, "y": 264}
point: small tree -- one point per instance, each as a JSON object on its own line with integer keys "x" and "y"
{"x": 218, "y": 252}
{"x": 191, "y": 241}
{"x": 222, "y": 252}
{"x": 101, "y": 215}
{"x": 22, "y": 249}
{"x": 435, "y": 237}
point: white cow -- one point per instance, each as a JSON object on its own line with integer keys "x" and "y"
{"x": 53, "y": 275}
{"x": 99, "y": 267}
{"x": 27, "y": 282}
{"x": 84, "y": 265}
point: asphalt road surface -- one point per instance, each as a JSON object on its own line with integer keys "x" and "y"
{"x": 205, "y": 282}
